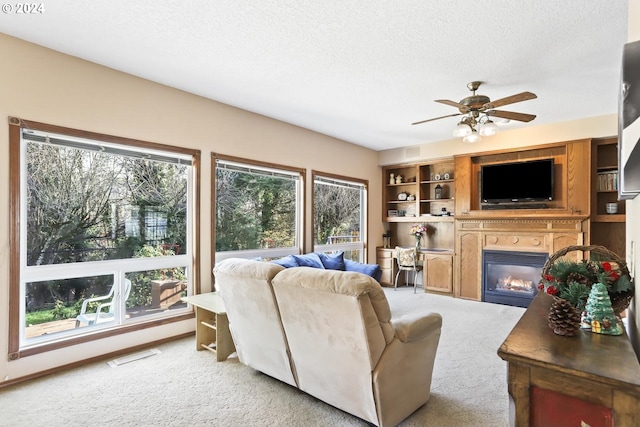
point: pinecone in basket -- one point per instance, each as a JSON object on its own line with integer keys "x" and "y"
{"x": 564, "y": 318}
{"x": 593, "y": 267}
{"x": 577, "y": 278}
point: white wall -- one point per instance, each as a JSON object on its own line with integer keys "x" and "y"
{"x": 46, "y": 86}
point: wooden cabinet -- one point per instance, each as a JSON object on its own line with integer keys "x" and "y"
{"x": 438, "y": 272}
{"x": 555, "y": 380}
{"x": 424, "y": 190}
{"x": 384, "y": 258}
{"x": 606, "y": 229}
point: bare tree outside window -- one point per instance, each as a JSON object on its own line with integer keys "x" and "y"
{"x": 338, "y": 215}
{"x": 87, "y": 206}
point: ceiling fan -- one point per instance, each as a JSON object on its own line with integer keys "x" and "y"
{"x": 477, "y": 110}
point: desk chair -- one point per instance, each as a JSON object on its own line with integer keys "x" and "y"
{"x": 407, "y": 259}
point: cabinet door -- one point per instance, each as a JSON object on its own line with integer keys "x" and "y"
{"x": 438, "y": 273}
{"x": 468, "y": 264}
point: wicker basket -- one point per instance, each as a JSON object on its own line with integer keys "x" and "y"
{"x": 619, "y": 300}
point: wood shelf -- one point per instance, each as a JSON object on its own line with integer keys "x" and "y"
{"x": 436, "y": 200}
{"x": 609, "y": 218}
{"x": 422, "y": 185}
{"x": 431, "y": 218}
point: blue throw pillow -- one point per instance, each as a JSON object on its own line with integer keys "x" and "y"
{"x": 287, "y": 262}
{"x": 333, "y": 261}
{"x": 308, "y": 260}
{"x": 372, "y": 270}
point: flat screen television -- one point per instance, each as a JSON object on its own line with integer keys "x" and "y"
{"x": 526, "y": 181}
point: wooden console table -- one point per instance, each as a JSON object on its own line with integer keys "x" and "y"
{"x": 561, "y": 381}
{"x": 212, "y": 325}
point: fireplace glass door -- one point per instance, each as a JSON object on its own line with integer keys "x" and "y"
{"x": 511, "y": 277}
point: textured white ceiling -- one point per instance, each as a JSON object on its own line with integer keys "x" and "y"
{"x": 360, "y": 70}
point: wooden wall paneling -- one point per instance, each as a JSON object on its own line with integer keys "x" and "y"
{"x": 579, "y": 177}
{"x": 462, "y": 174}
{"x": 609, "y": 235}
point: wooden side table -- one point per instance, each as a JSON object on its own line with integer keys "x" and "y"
{"x": 555, "y": 380}
{"x": 212, "y": 325}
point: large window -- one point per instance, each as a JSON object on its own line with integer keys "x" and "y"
{"x": 104, "y": 229}
{"x": 257, "y": 210}
{"x": 339, "y": 215}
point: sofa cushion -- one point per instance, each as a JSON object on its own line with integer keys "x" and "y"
{"x": 309, "y": 260}
{"x": 333, "y": 261}
{"x": 372, "y": 270}
{"x": 287, "y": 262}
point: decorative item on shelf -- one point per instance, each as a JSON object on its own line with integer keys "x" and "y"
{"x": 438, "y": 191}
{"x": 392, "y": 212}
{"x": 411, "y": 198}
{"x": 437, "y": 177}
{"x": 444, "y": 212}
{"x": 399, "y": 179}
{"x": 402, "y": 196}
{"x": 599, "y": 316}
{"x": 612, "y": 208}
{"x": 572, "y": 281}
{"x": 417, "y": 231}
{"x": 447, "y": 176}
{"x": 392, "y": 179}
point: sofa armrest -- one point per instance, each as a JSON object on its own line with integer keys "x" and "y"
{"x": 416, "y": 326}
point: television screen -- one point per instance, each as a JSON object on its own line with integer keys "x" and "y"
{"x": 517, "y": 181}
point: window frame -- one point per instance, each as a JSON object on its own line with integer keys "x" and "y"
{"x": 15, "y": 211}
{"x": 364, "y": 215}
{"x": 300, "y": 215}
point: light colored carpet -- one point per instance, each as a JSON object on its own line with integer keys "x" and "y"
{"x": 184, "y": 387}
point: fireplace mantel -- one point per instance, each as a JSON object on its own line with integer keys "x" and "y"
{"x": 473, "y": 235}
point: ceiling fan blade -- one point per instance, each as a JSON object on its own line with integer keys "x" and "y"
{"x": 436, "y": 118}
{"x": 463, "y": 108}
{"x": 521, "y": 117}
{"x": 524, "y": 96}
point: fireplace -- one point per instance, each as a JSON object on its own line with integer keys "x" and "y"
{"x": 510, "y": 277}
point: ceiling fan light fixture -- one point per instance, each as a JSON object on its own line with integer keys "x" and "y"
{"x": 489, "y": 128}
{"x": 462, "y": 130}
{"x": 472, "y": 137}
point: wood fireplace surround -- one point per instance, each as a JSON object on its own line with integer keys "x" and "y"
{"x": 564, "y": 222}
